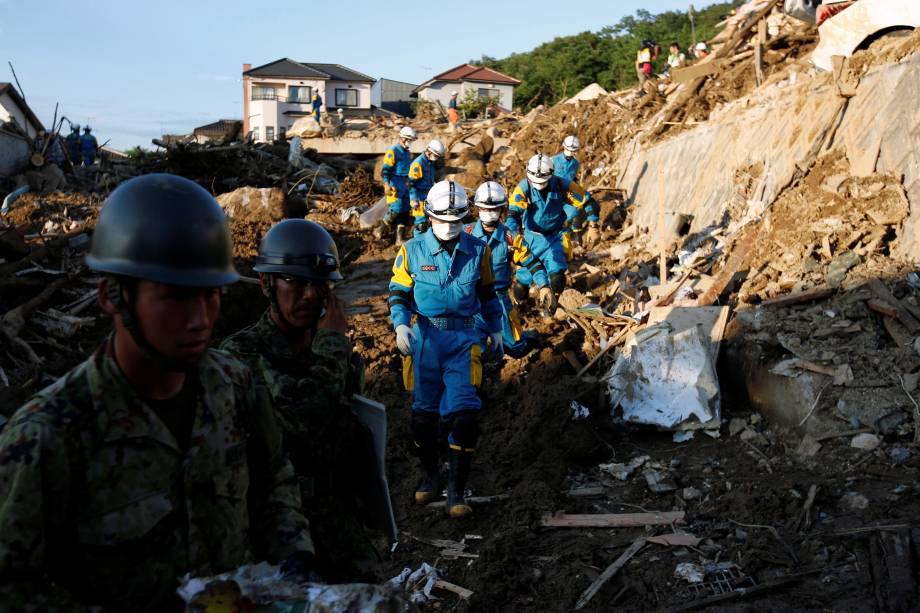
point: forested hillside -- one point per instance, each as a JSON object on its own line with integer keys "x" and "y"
{"x": 558, "y": 69}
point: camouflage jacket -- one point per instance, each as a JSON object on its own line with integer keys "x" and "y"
{"x": 309, "y": 392}
{"x": 307, "y": 387}
{"x": 99, "y": 506}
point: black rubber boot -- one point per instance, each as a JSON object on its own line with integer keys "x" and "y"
{"x": 430, "y": 487}
{"x": 460, "y": 461}
{"x": 425, "y": 436}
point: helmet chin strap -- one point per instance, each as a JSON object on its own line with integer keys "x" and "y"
{"x": 129, "y": 321}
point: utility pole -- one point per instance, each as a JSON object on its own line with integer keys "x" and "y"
{"x": 692, "y": 26}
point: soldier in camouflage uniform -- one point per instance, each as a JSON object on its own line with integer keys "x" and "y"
{"x": 156, "y": 457}
{"x": 300, "y": 352}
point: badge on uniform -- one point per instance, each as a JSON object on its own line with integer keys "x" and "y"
{"x": 429, "y": 268}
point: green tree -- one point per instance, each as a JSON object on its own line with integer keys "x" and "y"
{"x": 558, "y": 69}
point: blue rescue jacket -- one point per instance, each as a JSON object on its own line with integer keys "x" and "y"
{"x": 430, "y": 281}
{"x": 508, "y": 250}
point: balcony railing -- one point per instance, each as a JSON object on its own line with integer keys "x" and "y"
{"x": 269, "y": 95}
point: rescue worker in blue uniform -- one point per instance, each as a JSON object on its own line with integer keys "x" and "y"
{"x": 73, "y": 144}
{"x": 537, "y": 211}
{"x": 509, "y": 251}
{"x": 421, "y": 178}
{"x": 444, "y": 276}
{"x": 395, "y": 175}
{"x": 88, "y": 146}
{"x": 566, "y": 165}
{"x": 316, "y": 103}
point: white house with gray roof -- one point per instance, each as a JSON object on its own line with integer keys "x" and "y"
{"x": 277, "y": 94}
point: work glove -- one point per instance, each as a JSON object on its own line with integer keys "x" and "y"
{"x": 547, "y": 299}
{"x": 300, "y": 567}
{"x": 592, "y": 235}
{"x": 405, "y": 339}
{"x": 498, "y": 345}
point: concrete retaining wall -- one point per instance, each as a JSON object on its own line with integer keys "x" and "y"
{"x": 777, "y": 127}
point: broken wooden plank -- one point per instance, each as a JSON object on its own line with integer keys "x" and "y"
{"x": 682, "y": 75}
{"x": 732, "y": 266}
{"x": 586, "y": 492}
{"x": 609, "y": 572}
{"x": 817, "y": 293}
{"x": 676, "y": 539}
{"x": 462, "y": 592}
{"x": 897, "y": 332}
{"x": 616, "y": 340}
{"x": 440, "y": 504}
{"x": 884, "y": 308}
{"x": 903, "y": 315}
{"x": 611, "y": 520}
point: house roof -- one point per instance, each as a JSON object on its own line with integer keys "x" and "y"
{"x": 286, "y": 67}
{"x": 341, "y": 73}
{"x": 7, "y": 88}
{"x": 221, "y": 126}
{"x": 468, "y": 72}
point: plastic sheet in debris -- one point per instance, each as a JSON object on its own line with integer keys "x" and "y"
{"x": 666, "y": 380}
{"x": 262, "y": 584}
{"x": 418, "y": 583}
{"x": 374, "y": 215}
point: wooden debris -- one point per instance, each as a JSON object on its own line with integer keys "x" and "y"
{"x": 804, "y": 519}
{"x": 676, "y": 539}
{"x": 732, "y": 266}
{"x": 616, "y": 340}
{"x": 612, "y": 520}
{"x": 817, "y": 293}
{"x": 441, "y": 504}
{"x": 586, "y": 492}
{"x": 902, "y": 314}
{"x": 462, "y": 592}
{"x": 609, "y": 572}
{"x": 572, "y": 359}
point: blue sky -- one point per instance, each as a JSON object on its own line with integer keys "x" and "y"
{"x": 135, "y": 70}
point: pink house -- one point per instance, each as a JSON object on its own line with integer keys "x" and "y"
{"x": 277, "y": 94}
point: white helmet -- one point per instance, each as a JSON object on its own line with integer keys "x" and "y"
{"x": 408, "y": 133}
{"x": 701, "y": 46}
{"x": 447, "y": 201}
{"x": 490, "y": 195}
{"x": 453, "y": 93}
{"x": 571, "y": 143}
{"x": 539, "y": 170}
{"x": 437, "y": 148}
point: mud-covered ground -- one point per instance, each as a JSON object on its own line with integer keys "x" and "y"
{"x": 743, "y": 493}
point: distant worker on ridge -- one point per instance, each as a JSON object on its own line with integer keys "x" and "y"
{"x": 317, "y": 104}
{"x": 88, "y": 146}
{"x": 453, "y": 112}
{"x": 73, "y": 144}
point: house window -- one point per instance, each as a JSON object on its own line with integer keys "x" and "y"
{"x": 255, "y": 134}
{"x": 282, "y": 133}
{"x": 270, "y": 133}
{"x": 300, "y": 94}
{"x": 489, "y": 93}
{"x": 346, "y": 97}
{"x": 261, "y": 92}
